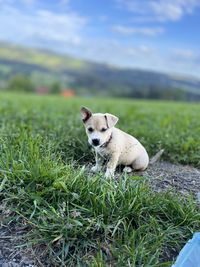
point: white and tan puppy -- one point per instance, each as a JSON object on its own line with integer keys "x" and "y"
{"x": 112, "y": 144}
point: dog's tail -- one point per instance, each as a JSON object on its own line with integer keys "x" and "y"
{"x": 156, "y": 157}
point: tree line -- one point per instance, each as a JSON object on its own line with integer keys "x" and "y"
{"x": 24, "y": 83}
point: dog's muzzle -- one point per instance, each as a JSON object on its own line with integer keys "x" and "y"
{"x": 95, "y": 142}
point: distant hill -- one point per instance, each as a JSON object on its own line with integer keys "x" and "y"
{"x": 45, "y": 67}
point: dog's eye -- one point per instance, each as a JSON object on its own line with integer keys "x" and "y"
{"x": 90, "y": 129}
{"x": 103, "y": 129}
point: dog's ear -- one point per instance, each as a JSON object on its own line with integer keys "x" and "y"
{"x": 85, "y": 113}
{"x": 111, "y": 120}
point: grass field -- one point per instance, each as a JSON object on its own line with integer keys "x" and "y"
{"x": 84, "y": 220}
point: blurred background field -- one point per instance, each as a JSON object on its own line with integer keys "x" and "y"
{"x": 30, "y": 70}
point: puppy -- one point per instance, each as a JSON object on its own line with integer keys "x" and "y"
{"x": 112, "y": 144}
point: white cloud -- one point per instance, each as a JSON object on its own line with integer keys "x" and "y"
{"x": 186, "y": 55}
{"x": 40, "y": 26}
{"x": 160, "y": 10}
{"x": 58, "y": 27}
{"x": 103, "y": 18}
{"x": 114, "y": 52}
{"x": 185, "y": 61}
{"x": 28, "y": 2}
{"x": 64, "y": 2}
{"x": 11, "y": 2}
{"x": 148, "y": 31}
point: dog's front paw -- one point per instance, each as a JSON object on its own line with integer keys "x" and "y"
{"x": 127, "y": 169}
{"x": 95, "y": 169}
{"x": 109, "y": 173}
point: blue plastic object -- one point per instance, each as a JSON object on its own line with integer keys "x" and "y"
{"x": 190, "y": 253}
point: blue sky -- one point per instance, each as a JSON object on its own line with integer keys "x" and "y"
{"x": 160, "y": 35}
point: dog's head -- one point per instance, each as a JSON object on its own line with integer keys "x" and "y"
{"x": 98, "y": 126}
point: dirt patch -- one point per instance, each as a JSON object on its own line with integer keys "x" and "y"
{"x": 165, "y": 175}
{"x": 13, "y": 251}
{"x": 12, "y": 254}
{"x": 161, "y": 176}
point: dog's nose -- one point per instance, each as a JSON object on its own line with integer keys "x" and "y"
{"x": 95, "y": 142}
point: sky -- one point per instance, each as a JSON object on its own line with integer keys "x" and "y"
{"x": 159, "y": 35}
